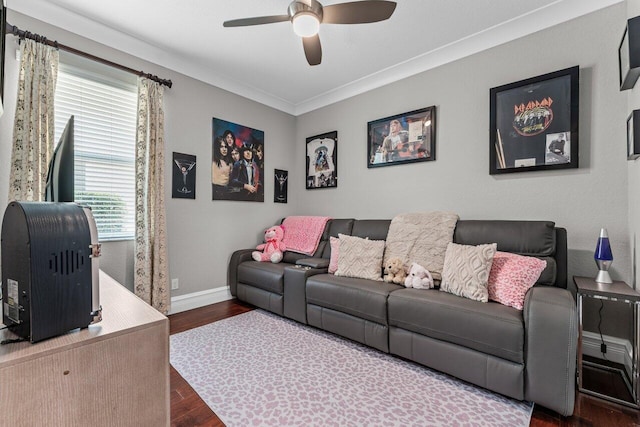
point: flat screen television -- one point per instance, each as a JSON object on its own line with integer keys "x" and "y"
{"x": 3, "y": 25}
{"x": 60, "y": 181}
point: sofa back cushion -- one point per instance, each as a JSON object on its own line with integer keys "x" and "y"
{"x": 528, "y": 238}
{"x": 335, "y": 227}
{"x": 549, "y": 275}
{"x": 374, "y": 229}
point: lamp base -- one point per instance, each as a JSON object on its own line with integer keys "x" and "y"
{"x": 603, "y": 277}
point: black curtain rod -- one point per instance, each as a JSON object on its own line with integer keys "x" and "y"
{"x": 12, "y": 29}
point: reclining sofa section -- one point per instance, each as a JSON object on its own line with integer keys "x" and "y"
{"x": 527, "y": 355}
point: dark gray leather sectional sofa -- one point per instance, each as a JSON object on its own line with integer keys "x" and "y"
{"x": 527, "y": 355}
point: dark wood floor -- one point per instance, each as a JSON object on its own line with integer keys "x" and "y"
{"x": 188, "y": 410}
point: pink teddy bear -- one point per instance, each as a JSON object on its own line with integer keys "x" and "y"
{"x": 273, "y": 248}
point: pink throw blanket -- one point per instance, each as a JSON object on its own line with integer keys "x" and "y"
{"x": 302, "y": 233}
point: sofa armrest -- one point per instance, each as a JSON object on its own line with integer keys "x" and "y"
{"x": 313, "y": 262}
{"x": 551, "y": 335}
{"x": 295, "y": 291}
{"x": 237, "y": 257}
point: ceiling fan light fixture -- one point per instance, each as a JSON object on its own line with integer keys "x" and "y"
{"x": 307, "y": 15}
{"x": 306, "y": 24}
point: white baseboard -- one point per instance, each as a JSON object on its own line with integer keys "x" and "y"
{"x": 199, "y": 299}
{"x": 618, "y": 350}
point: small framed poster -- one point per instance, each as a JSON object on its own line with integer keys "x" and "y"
{"x": 633, "y": 135}
{"x": 321, "y": 162}
{"x": 184, "y": 176}
{"x": 629, "y": 54}
{"x": 280, "y": 178}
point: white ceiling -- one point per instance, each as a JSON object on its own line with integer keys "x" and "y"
{"x": 266, "y": 63}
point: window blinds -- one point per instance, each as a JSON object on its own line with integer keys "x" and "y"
{"x": 105, "y": 108}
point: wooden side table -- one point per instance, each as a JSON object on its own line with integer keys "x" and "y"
{"x": 617, "y": 291}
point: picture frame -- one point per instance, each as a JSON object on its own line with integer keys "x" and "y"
{"x": 321, "y": 161}
{"x": 533, "y": 123}
{"x": 280, "y": 185}
{"x": 629, "y": 54}
{"x": 403, "y": 138}
{"x": 183, "y": 184}
{"x": 237, "y": 162}
{"x": 633, "y": 135}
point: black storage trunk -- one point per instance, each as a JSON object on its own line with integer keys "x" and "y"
{"x": 46, "y": 269}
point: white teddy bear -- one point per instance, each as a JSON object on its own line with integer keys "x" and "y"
{"x": 419, "y": 278}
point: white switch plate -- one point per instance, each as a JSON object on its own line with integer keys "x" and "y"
{"x": 175, "y": 284}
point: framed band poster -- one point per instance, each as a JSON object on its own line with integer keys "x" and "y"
{"x": 403, "y": 138}
{"x": 534, "y": 123}
{"x": 321, "y": 161}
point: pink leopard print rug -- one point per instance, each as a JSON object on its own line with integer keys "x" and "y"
{"x": 260, "y": 369}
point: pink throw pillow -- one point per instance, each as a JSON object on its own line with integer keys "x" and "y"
{"x": 335, "y": 250}
{"x": 511, "y": 277}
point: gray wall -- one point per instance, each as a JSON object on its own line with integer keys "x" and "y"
{"x": 581, "y": 200}
{"x": 202, "y": 234}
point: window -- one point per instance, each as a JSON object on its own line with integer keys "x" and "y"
{"x": 104, "y": 103}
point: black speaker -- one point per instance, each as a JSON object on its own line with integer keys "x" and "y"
{"x": 47, "y": 269}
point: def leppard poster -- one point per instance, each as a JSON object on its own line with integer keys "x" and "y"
{"x": 534, "y": 123}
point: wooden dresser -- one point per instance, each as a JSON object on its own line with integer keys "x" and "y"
{"x": 113, "y": 373}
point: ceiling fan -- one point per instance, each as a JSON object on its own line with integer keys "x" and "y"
{"x": 307, "y": 15}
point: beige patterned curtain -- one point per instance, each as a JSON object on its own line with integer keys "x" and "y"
{"x": 151, "y": 280}
{"x": 34, "y": 128}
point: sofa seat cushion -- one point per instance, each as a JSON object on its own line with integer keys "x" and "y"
{"x": 362, "y": 298}
{"x": 264, "y": 275}
{"x": 489, "y": 328}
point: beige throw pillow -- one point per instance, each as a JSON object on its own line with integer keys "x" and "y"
{"x": 360, "y": 258}
{"x": 466, "y": 270}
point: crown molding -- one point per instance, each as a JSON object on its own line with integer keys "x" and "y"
{"x": 540, "y": 19}
{"x": 100, "y": 33}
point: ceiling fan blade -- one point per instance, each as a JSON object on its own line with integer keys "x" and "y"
{"x": 312, "y": 49}
{"x": 358, "y": 12}
{"x": 256, "y": 21}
